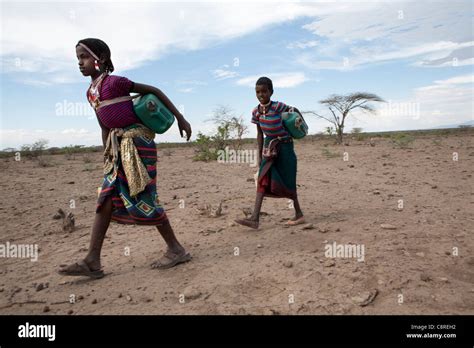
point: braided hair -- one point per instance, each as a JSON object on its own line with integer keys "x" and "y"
{"x": 101, "y": 49}
{"x": 265, "y": 81}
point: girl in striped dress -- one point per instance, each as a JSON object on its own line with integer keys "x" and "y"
{"x": 277, "y": 172}
{"x": 128, "y": 194}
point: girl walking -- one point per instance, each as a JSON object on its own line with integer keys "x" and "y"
{"x": 277, "y": 173}
{"x": 128, "y": 194}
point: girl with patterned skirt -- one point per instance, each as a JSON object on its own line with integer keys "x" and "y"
{"x": 276, "y": 155}
{"x": 129, "y": 189}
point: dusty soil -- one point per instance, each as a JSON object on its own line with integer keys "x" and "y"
{"x": 428, "y": 257}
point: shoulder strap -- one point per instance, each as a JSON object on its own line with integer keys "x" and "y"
{"x": 117, "y": 100}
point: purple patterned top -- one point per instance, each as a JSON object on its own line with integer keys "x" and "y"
{"x": 117, "y": 115}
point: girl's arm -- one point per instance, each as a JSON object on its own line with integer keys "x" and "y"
{"x": 182, "y": 123}
{"x": 105, "y": 135}
{"x": 260, "y": 143}
{"x": 105, "y": 131}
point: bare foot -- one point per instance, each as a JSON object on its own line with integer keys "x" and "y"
{"x": 249, "y": 223}
{"x": 296, "y": 221}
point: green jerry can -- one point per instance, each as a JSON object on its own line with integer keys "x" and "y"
{"x": 295, "y": 124}
{"x": 153, "y": 113}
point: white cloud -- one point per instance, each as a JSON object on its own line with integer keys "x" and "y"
{"x": 189, "y": 86}
{"x": 302, "y": 44}
{"x": 366, "y": 56}
{"x": 453, "y": 96}
{"x": 221, "y": 74}
{"x": 280, "y": 80}
{"x": 469, "y": 78}
{"x": 186, "y": 90}
{"x": 433, "y": 34}
{"x": 74, "y": 131}
{"x": 445, "y": 102}
{"x": 61, "y": 137}
{"x": 377, "y": 32}
{"x": 461, "y": 56}
{"x": 42, "y": 52}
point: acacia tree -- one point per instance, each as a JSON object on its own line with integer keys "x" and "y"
{"x": 340, "y": 107}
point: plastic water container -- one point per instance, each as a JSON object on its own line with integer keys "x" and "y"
{"x": 295, "y": 124}
{"x": 153, "y": 113}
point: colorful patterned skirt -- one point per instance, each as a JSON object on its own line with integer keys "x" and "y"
{"x": 143, "y": 209}
{"x": 277, "y": 177}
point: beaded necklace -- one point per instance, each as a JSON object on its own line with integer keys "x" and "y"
{"x": 264, "y": 106}
{"x": 94, "y": 93}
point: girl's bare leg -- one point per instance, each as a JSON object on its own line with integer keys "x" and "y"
{"x": 254, "y": 219}
{"x": 168, "y": 235}
{"x": 258, "y": 207}
{"x": 101, "y": 224}
{"x": 298, "y": 212}
{"x": 175, "y": 254}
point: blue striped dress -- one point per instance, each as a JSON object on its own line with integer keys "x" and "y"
{"x": 271, "y": 122}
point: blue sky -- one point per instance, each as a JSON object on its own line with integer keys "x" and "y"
{"x": 205, "y": 54}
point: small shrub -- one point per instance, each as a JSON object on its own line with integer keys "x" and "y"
{"x": 45, "y": 161}
{"x": 69, "y": 152}
{"x": 359, "y": 136}
{"x": 402, "y": 140}
{"x": 329, "y": 131}
{"x": 38, "y": 147}
{"x": 204, "y": 151}
{"x": 329, "y": 154}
